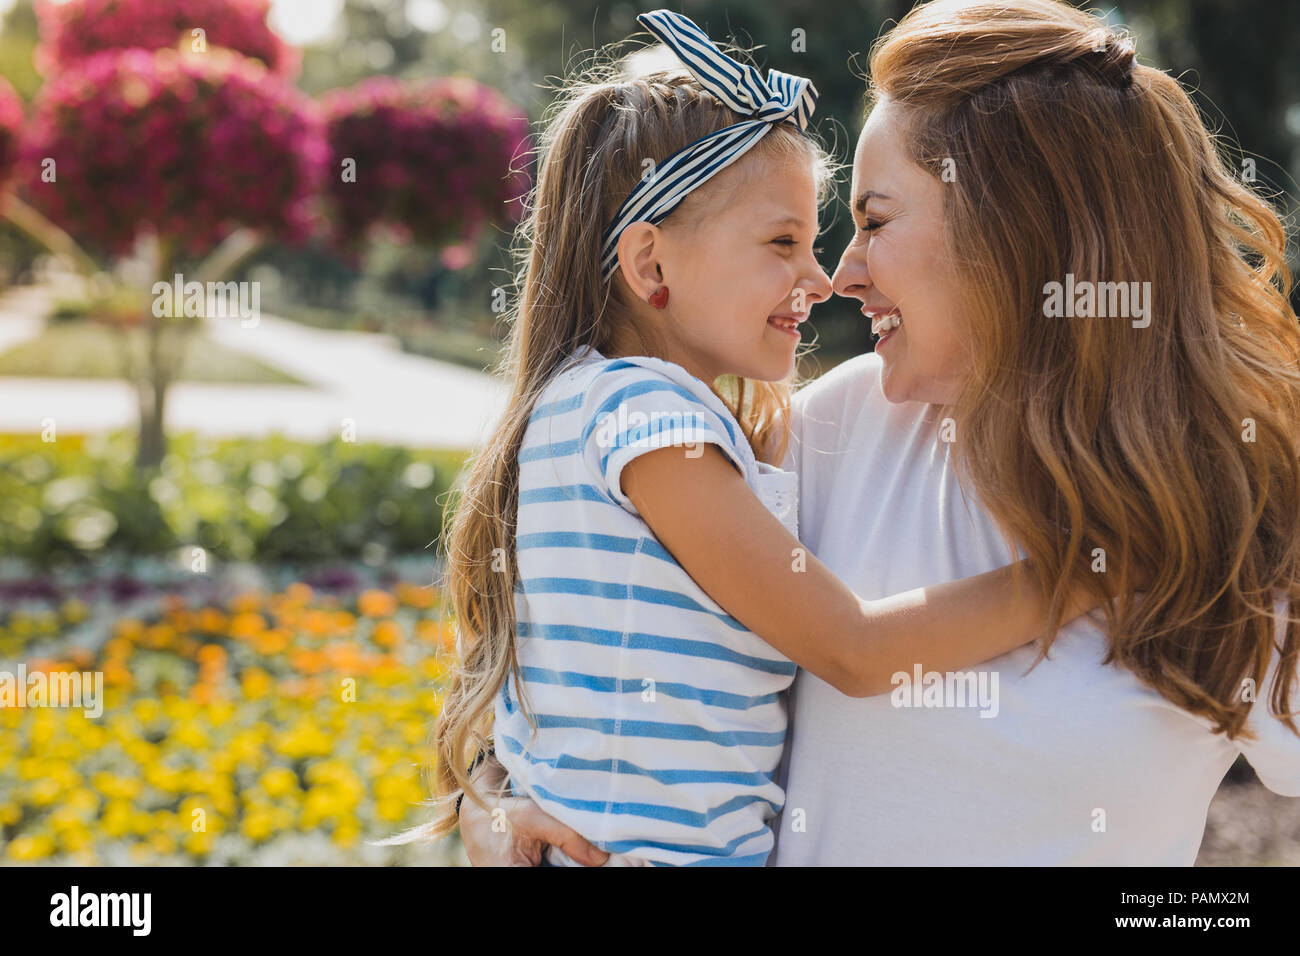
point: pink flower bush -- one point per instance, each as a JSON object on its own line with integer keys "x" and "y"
{"x": 11, "y": 125}
{"x": 190, "y": 145}
{"x": 78, "y": 29}
{"x": 436, "y": 160}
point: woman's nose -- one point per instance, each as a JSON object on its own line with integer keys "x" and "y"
{"x": 851, "y": 278}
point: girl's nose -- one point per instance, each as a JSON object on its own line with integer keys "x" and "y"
{"x": 817, "y": 287}
{"x": 820, "y": 285}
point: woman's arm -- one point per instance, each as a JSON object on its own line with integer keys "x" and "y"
{"x": 526, "y": 833}
{"x": 705, "y": 514}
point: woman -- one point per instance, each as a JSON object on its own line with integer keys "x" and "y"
{"x": 1096, "y": 367}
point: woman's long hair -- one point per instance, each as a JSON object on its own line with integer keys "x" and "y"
{"x": 600, "y": 131}
{"x": 1168, "y": 442}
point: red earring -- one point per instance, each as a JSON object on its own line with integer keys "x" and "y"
{"x": 660, "y": 297}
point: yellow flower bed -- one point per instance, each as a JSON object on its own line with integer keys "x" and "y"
{"x": 285, "y": 720}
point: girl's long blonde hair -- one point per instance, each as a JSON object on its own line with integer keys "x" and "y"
{"x": 600, "y": 130}
{"x": 1170, "y": 447}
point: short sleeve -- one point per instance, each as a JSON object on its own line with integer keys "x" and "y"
{"x": 1274, "y": 754}
{"x": 629, "y": 410}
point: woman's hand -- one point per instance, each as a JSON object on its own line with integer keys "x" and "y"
{"x": 514, "y": 831}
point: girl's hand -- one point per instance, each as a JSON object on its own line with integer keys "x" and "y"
{"x": 522, "y": 831}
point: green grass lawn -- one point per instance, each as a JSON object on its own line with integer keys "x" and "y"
{"x": 81, "y": 349}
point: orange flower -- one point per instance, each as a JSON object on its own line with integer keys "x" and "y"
{"x": 387, "y": 634}
{"x": 246, "y": 625}
{"x": 128, "y": 628}
{"x": 299, "y": 592}
{"x": 212, "y": 620}
{"x": 246, "y": 602}
{"x": 272, "y": 641}
{"x": 317, "y": 623}
{"x": 212, "y": 673}
{"x": 81, "y": 657}
{"x": 413, "y": 595}
{"x": 290, "y": 617}
{"x": 375, "y": 603}
{"x": 117, "y": 647}
{"x": 116, "y": 674}
{"x": 343, "y": 655}
{"x": 210, "y": 654}
{"x": 307, "y": 661}
{"x": 298, "y": 687}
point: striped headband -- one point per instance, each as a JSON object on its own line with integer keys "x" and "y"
{"x": 783, "y": 98}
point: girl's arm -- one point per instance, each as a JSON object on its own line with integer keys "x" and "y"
{"x": 705, "y": 514}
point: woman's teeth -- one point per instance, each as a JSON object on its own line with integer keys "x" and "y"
{"x": 790, "y": 325}
{"x": 881, "y": 324}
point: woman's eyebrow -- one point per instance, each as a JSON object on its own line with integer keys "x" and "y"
{"x": 861, "y": 205}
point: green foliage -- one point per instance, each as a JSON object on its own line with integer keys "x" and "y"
{"x": 271, "y": 499}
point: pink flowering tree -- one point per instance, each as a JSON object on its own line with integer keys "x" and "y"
{"x": 170, "y": 132}
{"x": 14, "y": 209}
{"x": 11, "y": 125}
{"x": 434, "y": 161}
{"x": 78, "y": 30}
{"x": 167, "y": 131}
{"x": 188, "y": 147}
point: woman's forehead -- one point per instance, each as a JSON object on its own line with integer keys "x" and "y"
{"x": 880, "y": 162}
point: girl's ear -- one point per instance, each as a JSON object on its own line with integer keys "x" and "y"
{"x": 639, "y": 251}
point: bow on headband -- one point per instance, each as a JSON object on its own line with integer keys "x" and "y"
{"x": 782, "y": 99}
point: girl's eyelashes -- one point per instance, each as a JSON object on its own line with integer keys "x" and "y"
{"x": 785, "y": 241}
{"x": 871, "y": 225}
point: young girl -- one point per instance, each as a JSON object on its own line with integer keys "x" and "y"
{"x": 631, "y": 596}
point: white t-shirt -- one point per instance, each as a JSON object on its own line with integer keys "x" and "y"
{"x": 1082, "y": 764}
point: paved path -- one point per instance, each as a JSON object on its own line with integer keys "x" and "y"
{"x": 390, "y": 396}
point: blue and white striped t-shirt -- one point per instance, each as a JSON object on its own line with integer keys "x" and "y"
{"x": 660, "y": 718}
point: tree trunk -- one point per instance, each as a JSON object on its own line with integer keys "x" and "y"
{"x": 152, "y": 386}
{"x": 152, "y": 392}
{"x": 153, "y": 440}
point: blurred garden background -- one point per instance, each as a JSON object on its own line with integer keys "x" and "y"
{"x": 230, "y": 503}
